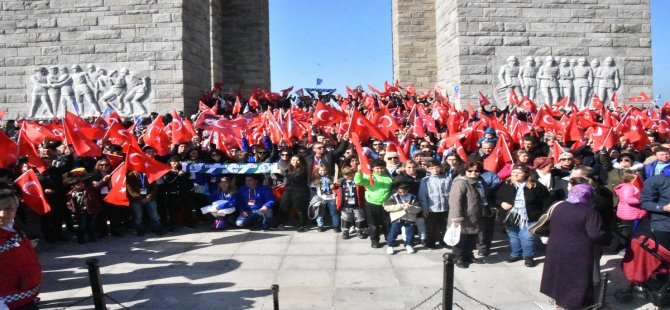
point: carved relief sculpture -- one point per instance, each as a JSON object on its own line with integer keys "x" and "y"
{"x": 582, "y": 83}
{"x": 528, "y": 78}
{"x": 595, "y": 65}
{"x": 609, "y": 79}
{"x": 40, "y": 94}
{"x": 92, "y": 90}
{"x": 548, "y": 76}
{"x": 565, "y": 79}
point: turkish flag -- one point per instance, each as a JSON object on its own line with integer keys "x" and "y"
{"x": 615, "y": 100}
{"x": 528, "y": 105}
{"x": 180, "y": 134}
{"x": 557, "y": 150}
{"x": 117, "y": 134}
{"x": 32, "y": 193}
{"x": 563, "y": 102}
{"x": 117, "y": 192}
{"x": 253, "y": 102}
{"x": 513, "y": 98}
{"x": 499, "y": 156}
{"x": 10, "y": 151}
{"x": 114, "y": 160}
{"x": 156, "y": 137}
{"x": 642, "y": 97}
{"x": 596, "y": 102}
{"x": 285, "y": 92}
{"x": 83, "y": 145}
{"x": 410, "y": 89}
{"x": 366, "y": 167}
{"x": 544, "y": 120}
{"x": 638, "y": 184}
{"x": 325, "y": 115}
{"x": 572, "y": 132}
{"x": 37, "y": 133}
{"x": 483, "y": 101}
{"x": 202, "y": 106}
{"x": 601, "y": 136}
{"x": 86, "y": 130}
{"x": 136, "y": 160}
{"x": 26, "y": 148}
{"x": 362, "y": 125}
{"x": 238, "y": 106}
{"x": 274, "y": 129}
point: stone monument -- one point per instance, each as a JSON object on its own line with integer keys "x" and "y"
{"x": 62, "y": 54}
{"x": 466, "y": 42}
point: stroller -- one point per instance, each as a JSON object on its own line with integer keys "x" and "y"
{"x": 646, "y": 266}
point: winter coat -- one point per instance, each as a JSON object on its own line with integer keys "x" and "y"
{"x": 655, "y": 195}
{"x": 628, "y": 208}
{"x": 567, "y": 276}
{"x": 537, "y": 199}
{"x": 434, "y": 193}
{"x": 21, "y": 271}
{"x": 466, "y": 201}
{"x": 394, "y": 207}
{"x": 379, "y": 192}
{"x": 341, "y": 190}
{"x": 87, "y": 201}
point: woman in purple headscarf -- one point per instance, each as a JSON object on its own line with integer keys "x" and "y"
{"x": 575, "y": 226}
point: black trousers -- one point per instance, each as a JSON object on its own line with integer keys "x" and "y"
{"x": 379, "y": 221}
{"x": 436, "y": 226}
{"x": 486, "y": 229}
{"x": 463, "y": 249}
{"x": 298, "y": 199}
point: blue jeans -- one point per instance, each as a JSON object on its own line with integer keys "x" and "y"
{"x": 521, "y": 241}
{"x": 395, "y": 231}
{"x": 253, "y": 216}
{"x": 332, "y": 208}
{"x": 151, "y": 209}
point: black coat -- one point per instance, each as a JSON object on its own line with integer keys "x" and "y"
{"x": 537, "y": 198}
{"x": 328, "y": 158}
{"x": 414, "y": 183}
{"x": 567, "y": 276}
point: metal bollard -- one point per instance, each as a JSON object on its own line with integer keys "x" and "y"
{"x": 448, "y": 282}
{"x": 275, "y": 296}
{"x": 96, "y": 284}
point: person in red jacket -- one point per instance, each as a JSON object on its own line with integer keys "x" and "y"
{"x": 20, "y": 271}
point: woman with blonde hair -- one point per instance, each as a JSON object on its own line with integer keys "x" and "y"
{"x": 524, "y": 200}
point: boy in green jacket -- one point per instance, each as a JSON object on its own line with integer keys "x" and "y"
{"x": 375, "y": 196}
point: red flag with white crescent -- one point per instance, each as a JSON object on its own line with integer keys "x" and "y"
{"x": 117, "y": 193}
{"x": 32, "y": 193}
{"x": 137, "y": 160}
{"x": 642, "y": 97}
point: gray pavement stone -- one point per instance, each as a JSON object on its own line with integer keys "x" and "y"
{"x": 234, "y": 269}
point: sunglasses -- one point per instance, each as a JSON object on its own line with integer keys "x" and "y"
{"x": 473, "y": 171}
{"x": 626, "y": 160}
{"x": 566, "y": 159}
{"x": 284, "y": 154}
{"x": 393, "y": 158}
{"x": 377, "y": 144}
{"x": 318, "y": 148}
{"x": 262, "y": 153}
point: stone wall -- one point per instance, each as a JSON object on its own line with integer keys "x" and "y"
{"x": 246, "y": 39}
{"x": 474, "y": 37}
{"x": 414, "y": 53}
{"x": 181, "y": 45}
{"x": 589, "y": 28}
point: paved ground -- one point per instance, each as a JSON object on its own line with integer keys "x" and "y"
{"x": 200, "y": 269}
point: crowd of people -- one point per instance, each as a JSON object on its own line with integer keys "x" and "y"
{"x": 386, "y": 163}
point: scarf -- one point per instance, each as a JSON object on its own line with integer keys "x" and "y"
{"x": 518, "y": 215}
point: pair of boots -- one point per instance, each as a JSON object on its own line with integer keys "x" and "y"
{"x": 359, "y": 230}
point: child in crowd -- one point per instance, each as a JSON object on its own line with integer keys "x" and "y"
{"x": 377, "y": 192}
{"x": 434, "y": 200}
{"x": 350, "y": 202}
{"x": 225, "y": 199}
{"x": 402, "y": 207}
{"x": 325, "y": 190}
{"x": 84, "y": 202}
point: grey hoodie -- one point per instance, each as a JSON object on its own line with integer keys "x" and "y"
{"x": 434, "y": 193}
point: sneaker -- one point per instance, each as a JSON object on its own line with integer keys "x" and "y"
{"x": 529, "y": 262}
{"x": 345, "y": 234}
{"x": 475, "y": 260}
{"x": 375, "y": 244}
{"x": 389, "y": 250}
{"x": 410, "y": 249}
{"x": 484, "y": 252}
{"x": 337, "y": 230}
{"x": 512, "y": 259}
{"x": 321, "y": 229}
{"x": 302, "y": 229}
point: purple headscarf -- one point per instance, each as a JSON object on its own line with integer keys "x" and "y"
{"x": 581, "y": 193}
